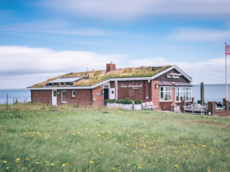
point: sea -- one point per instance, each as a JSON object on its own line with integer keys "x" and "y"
{"x": 212, "y": 92}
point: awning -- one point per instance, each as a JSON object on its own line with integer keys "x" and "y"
{"x": 176, "y": 84}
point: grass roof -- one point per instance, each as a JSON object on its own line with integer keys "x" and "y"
{"x": 99, "y": 76}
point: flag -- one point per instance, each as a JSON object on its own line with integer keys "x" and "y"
{"x": 227, "y": 50}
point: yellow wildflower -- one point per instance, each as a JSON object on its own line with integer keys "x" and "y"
{"x": 208, "y": 171}
{"x": 27, "y": 159}
{"x": 7, "y": 168}
{"x": 91, "y": 162}
{"x": 128, "y": 164}
{"x": 63, "y": 165}
{"x": 23, "y": 168}
{"x": 167, "y": 162}
{"x": 175, "y": 166}
{"x": 4, "y": 162}
{"x": 37, "y": 162}
{"x": 114, "y": 168}
{"x": 18, "y": 159}
{"x": 52, "y": 164}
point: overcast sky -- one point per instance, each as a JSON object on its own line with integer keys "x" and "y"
{"x": 46, "y": 38}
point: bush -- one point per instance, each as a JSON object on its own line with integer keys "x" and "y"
{"x": 118, "y": 101}
{"x": 126, "y": 101}
{"x": 198, "y": 101}
{"x": 138, "y": 101}
{"x": 110, "y": 100}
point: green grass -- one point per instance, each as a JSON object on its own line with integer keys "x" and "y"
{"x": 71, "y": 138}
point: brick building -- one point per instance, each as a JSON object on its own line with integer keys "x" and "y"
{"x": 164, "y": 86}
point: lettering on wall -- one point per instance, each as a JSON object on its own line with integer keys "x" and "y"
{"x": 132, "y": 86}
{"x": 172, "y": 76}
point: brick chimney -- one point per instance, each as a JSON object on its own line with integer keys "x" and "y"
{"x": 110, "y": 67}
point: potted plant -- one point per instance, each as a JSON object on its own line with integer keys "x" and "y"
{"x": 110, "y": 103}
{"x": 137, "y": 104}
{"x": 127, "y": 104}
{"x": 118, "y": 104}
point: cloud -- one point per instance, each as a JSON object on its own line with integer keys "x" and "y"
{"x": 21, "y": 62}
{"x": 23, "y": 66}
{"x": 55, "y": 26}
{"x": 199, "y": 34}
{"x": 132, "y": 9}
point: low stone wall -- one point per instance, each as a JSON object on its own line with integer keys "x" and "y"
{"x": 212, "y": 109}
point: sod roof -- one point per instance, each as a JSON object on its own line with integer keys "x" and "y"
{"x": 101, "y": 75}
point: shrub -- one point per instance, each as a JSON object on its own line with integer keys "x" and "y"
{"x": 118, "y": 101}
{"x": 126, "y": 101}
{"x": 198, "y": 101}
{"x": 138, "y": 101}
{"x": 110, "y": 100}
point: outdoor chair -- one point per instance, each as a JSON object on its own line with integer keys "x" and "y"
{"x": 148, "y": 105}
{"x": 152, "y": 105}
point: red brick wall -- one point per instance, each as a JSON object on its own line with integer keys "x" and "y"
{"x": 98, "y": 96}
{"x": 112, "y": 84}
{"x": 129, "y": 92}
{"x": 155, "y": 94}
{"x": 41, "y": 96}
{"x": 82, "y": 97}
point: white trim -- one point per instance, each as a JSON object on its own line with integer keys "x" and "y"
{"x": 72, "y": 93}
{"x": 164, "y": 94}
{"x": 114, "y": 79}
{"x": 61, "y": 97}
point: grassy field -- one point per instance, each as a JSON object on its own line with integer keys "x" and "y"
{"x": 68, "y": 138}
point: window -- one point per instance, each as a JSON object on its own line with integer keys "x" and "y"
{"x": 54, "y": 93}
{"x": 166, "y": 94}
{"x": 63, "y": 96}
{"x": 73, "y": 93}
{"x": 183, "y": 94}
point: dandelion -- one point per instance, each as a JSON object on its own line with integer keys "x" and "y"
{"x": 18, "y": 159}
{"x": 63, "y": 165}
{"x": 140, "y": 167}
{"x": 208, "y": 171}
{"x": 37, "y": 162}
{"x": 52, "y": 164}
{"x": 128, "y": 164}
{"x": 27, "y": 159}
{"x": 4, "y": 162}
{"x": 91, "y": 162}
{"x": 114, "y": 168}
{"x": 23, "y": 168}
{"x": 175, "y": 166}
{"x": 167, "y": 162}
{"x": 46, "y": 161}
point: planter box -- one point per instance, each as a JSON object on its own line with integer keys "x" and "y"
{"x": 137, "y": 107}
{"x": 110, "y": 105}
{"x": 127, "y": 106}
{"x": 118, "y": 105}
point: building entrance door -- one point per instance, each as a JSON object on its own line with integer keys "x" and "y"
{"x": 54, "y": 97}
{"x": 106, "y": 95}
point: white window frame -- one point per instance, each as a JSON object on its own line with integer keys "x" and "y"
{"x": 186, "y": 90}
{"x": 164, "y": 93}
{"x": 73, "y": 91}
{"x": 62, "y": 97}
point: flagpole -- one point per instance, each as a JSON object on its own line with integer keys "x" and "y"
{"x": 226, "y": 85}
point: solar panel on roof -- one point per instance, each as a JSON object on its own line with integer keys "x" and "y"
{"x": 64, "y": 80}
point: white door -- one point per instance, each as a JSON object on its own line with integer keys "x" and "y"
{"x": 54, "y": 97}
{"x": 112, "y": 93}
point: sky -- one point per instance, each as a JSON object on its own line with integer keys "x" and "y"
{"x": 41, "y": 39}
